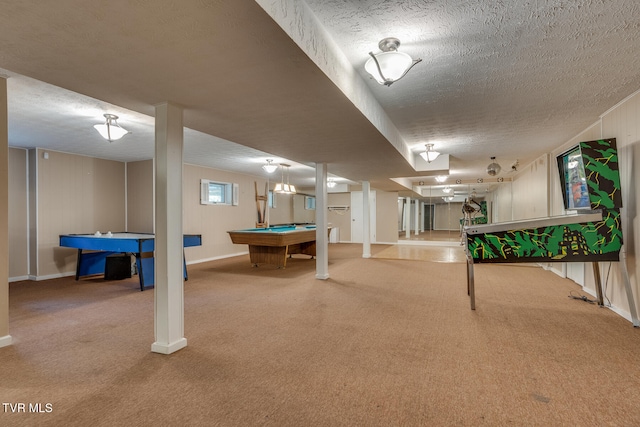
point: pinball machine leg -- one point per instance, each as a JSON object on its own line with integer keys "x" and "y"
{"x": 627, "y": 286}
{"x": 598, "y": 280}
{"x": 471, "y": 291}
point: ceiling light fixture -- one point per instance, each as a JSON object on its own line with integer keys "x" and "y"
{"x": 493, "y": 169}
{"x": 430, "y": 155}
{"x": 441, "y": 178}
{"x": 331, "y": 183}
{"x": 281, "y": 187}
{"x": 390, "y": 65}
{"x": 110, "y": 129}
{"x": 270, "y": 167}
{"x": 447, "y": 190}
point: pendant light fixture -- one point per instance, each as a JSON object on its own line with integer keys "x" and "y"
{"x": 270, "y": 167}
{"x": 430, "y": 154}
{"x": 281, "y": 187}
{"x": 110, "y": 129}
{"x": 389, "y": 66}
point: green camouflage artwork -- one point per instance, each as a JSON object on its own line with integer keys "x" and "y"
{"x": 589, "y": 241}
{"x": 600, "y": 159}
{"x": 580, "y": 242}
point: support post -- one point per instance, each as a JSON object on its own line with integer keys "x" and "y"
{"x": 407, "y": 218}
{"x": 5, "y": 338}
{"x": 169, "y": 275}
{"x": 366, "y": 217}
{"x": 417, "y": 217}
{"x": 322, "y": 226}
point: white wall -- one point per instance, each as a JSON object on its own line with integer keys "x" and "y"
{"x": 530, "y": 189}
{"x": 623, "y": 123}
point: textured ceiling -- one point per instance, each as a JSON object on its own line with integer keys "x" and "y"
{"x": 501, "y": 78}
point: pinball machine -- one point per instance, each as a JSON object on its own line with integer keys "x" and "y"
{"x": 590, "y": 181}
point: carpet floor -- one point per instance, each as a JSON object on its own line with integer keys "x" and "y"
{"x": 383, "y": 342}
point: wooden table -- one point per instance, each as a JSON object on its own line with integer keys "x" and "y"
{"x": 273, "y": 245}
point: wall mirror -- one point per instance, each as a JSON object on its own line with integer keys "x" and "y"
{"x": 437, "y": 216}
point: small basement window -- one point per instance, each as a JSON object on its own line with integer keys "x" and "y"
{"x": 218, "y": 193}
{"x": 310, "y": 203}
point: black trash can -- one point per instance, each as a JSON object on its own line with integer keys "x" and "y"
{"x": 117, "y": 267}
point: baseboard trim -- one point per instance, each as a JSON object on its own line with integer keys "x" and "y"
{"x": 199, "y": 261}
{"x": 51, "y": 276}
{"x": 617, "y": 310}
{"x": 6, "y": 341}
{"x": 162, "y": 348}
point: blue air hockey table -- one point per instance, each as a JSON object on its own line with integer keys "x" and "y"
{"x": 141, "y": 245}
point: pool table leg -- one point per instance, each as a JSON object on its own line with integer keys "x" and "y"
{"x": 275, "y": 255}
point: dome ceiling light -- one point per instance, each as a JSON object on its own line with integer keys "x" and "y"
{"x": 430, "y": 154}
{"x": 270, "y": 167}
{"x": 110, "y": 129}
{"x": 389, "y": 66}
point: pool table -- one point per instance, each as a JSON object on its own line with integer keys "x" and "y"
{"x": 272, "y": 245}
{"x": 141, "y": 245}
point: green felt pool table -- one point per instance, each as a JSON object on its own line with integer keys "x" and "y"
{"x": 272, "y": 245}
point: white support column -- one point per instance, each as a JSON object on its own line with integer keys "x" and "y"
{"x": 366, "y": 220}
{"x": 5, "y": 338}
{"x": 267, "y": 208}
{"x": 407, "y": 217}
{"x": 169, "y": 274}
{"x": 322, "y": 227}
{"x": 422, "y": 211}
{"x": 416, "y": 220}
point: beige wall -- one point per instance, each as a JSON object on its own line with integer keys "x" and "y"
{"x": 282, "y": 213}
{"x": 530, "y": 189}
{"x": 213, "y": 221}
{"x": 140, "y": 197}
{"x": 340, "y": 219}
{"x": 502, "y": 203}
{"x": 18, "y": 215}
{"x": 386, "y": 217}
{"x": 300, "y": 214}
{"x": 210, "y": 221}
{"x": 75, "y": 194}
{"x": 447, "y": 216}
